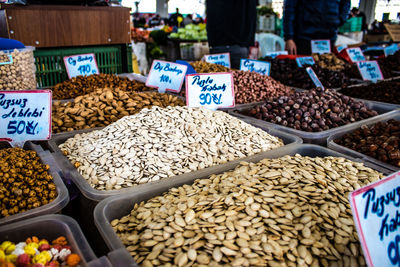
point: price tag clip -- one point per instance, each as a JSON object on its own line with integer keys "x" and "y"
{"x": 210, "y": 90}
{"x": 166, "y": 76}
{"x": 261, "y": 67}
{"x": 25, "y": 116}
{"x": 84, "y": 64}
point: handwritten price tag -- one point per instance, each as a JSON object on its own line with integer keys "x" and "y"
{"x": 81, "y": 65}
{"x": 220, "y": 59}
{"x": 210, "y": 90}
{"x": 166, "y": 76}
{"x": 355, "y": 54}
{"x": 376, "y": 212}
{"x": 321, "y": 46}
{"x": 301, "y": 61}
{"x": 370, "y": 70}
{"x": 276, "y": 53}
{"x": 252, "y": 65}
{"x": 25, "y": 115}
{"x": 314, "y": 77}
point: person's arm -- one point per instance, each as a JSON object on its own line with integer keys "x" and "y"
{"x": 289, "y": 13}
{"x": 344, "y": 10}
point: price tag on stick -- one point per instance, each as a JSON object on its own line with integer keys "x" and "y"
{"x": 370, "y": 70}
{"x": 314, "y": 77}
{"x": 81, "y": 65}
{"x": 25, "y": 115}
{"x": 355, "y": 54}
{"x": 166, "y": 76}
{"x": 376, "y": 212}
{"x": 321, "y": 46}
{"x": 252, "y": 65}
{"x": 210, "y": 90}
{"x": 301, "y": 61}
{"x": 223, "y": 59}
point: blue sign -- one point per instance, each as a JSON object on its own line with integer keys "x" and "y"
{"x": 301, "y": 61}
{"x": 340, "y": 48}
{"x": 314, "y": 77}
{"x": 391, "y": 49}
{"x": 210, "y": 90}
{"x": 355, "y": 54}
{"x": 321, "y": 46}
{"x": 276, "y": 53}
{"x": 370, "y": 70}
{"x": 252, "y": 65}
{"x": 220, "y": 59}
{"x": 81, "y": 65}
{"x": 166, "y": 76}
{"x": 25, "y": 115}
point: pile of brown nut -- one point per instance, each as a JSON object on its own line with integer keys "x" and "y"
{"x": 105, "y": 106}
{"x": 314, "y": 110}
{"x": 205, "y": 67}
{"x": 254, "y": 87}
{"x": 380, "y": 141}
{"x": 83, "y": 85}
{"x": 17, "y": 71}
{"x": 330, "y": 62}
{"x": 24, "y": 182}
{"x": 289, "y": 211}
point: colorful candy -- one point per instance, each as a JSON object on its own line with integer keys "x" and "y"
{"x": 35, "y": 253}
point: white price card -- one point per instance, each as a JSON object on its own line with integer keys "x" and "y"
{"x": 210, "y": 90}
{"x": 25, "y": 115}
{"x": 166, "y": 76}
{"x": 320, "y": 46}
{"x": 355, "y": 54}
{"x": 81, "y": 65}
{"x": 370, "y": 70}
{"x": 258, "y": 66}
{"x": 223, "y": 59}
{"x": 376, "y": 213}
{"x": 276, "y": 53}
{"x": 314, "y": 77}
{"x": 301, "y": 61}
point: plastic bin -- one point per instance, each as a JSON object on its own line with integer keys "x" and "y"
{"x": 333, "y": 145}
{"x": 118, "y": 206}
{"x": 50, "y": 68}
{"x": 351, "y": 25}
{"x": 90, "y": 197}
{"x": 62, "y": 193}
{"x": 50, "y": 227}
{"x": 70, "y": 172}
{"x": 319, "y": 138}
{"x": 18, "y": 69}
{"x": 393, "y": 106}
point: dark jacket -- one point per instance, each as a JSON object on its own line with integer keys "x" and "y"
{"x": 231, "y": 22}
{"x": 314, "y": 19}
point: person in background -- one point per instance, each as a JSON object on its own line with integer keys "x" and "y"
{"x": 155, "y": 21}
{"x": 198, "y": 20}
{"x": 231, "y": 27}
{"x": 174, "y": 21}
{"x": 306, "y": 20}
{"x": 355, "y": 12}
{"x": 188, "y": 19}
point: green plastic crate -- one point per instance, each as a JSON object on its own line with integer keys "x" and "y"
{"x": 352, "y": 25}
{"x": 50, "y": 68}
